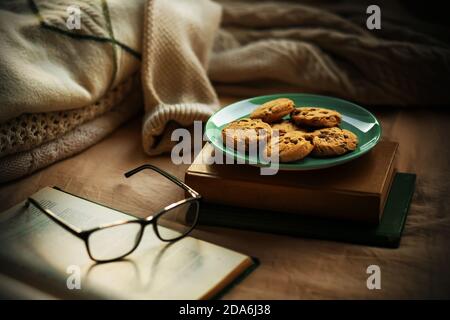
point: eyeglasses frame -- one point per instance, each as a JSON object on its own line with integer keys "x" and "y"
{"x": 143, "y": 222}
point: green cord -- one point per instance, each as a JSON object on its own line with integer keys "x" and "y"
{"x": 34, "y": 8}
{"x": 111, "y": 34}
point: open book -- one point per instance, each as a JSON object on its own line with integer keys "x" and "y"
{"x": 37, "y": 251}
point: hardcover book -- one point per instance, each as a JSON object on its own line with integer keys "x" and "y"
{"x": 376, "y": 197}
{"x": 355, "y": 191}
{"x": 387, "y": 233}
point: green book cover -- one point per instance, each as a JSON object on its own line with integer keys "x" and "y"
{"x": 386, "y": 234}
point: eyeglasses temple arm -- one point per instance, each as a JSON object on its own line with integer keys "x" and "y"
{"x": 72, "y": 229}
{"x": 180, "y": 183}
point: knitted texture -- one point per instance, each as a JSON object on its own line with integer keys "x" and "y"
{"x": 45, "y": 66}
{"x": 93, "y": 21}
{"x": 20, "y": 164}
{"x": 32, "y": 129}
{"x": 61, "y": 88}
{"x": 178, "y": 38}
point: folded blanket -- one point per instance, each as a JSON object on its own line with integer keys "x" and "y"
{"x": 61, "y": 89}
{"x": 82, "y": 137}
{"x": 33, "y": 129}
{"x": 182, "y": 47}
{"x": 45, "y": 66}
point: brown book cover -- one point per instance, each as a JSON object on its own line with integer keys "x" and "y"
{"x": 353, "y": 191}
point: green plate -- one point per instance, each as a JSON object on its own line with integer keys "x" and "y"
{"x": 354, "y": 118}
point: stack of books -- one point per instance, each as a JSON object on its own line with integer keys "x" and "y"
{"x": 364, "y": 201}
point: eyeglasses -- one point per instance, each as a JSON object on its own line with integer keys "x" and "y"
{"x": 118, "y": 239}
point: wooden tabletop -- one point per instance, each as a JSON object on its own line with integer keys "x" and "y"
{"x": 291, "y": 268}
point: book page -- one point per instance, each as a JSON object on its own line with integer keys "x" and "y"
{"x": 36, "y": 249}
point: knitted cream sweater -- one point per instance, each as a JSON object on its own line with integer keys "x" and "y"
{"x": 63, "y": 90}
{"x": 177, "y": 43}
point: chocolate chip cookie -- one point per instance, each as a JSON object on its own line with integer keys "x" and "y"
{"x": 286, "y": 126}
{"x": 334, "y": 141}
{"x": 316, "y": 117}
{"x": 274, "y": 110}
{"x": 244, "y": 131}
{"x": 292, "y": 146}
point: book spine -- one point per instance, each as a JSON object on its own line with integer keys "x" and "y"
{"x": 318, "y": 203}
